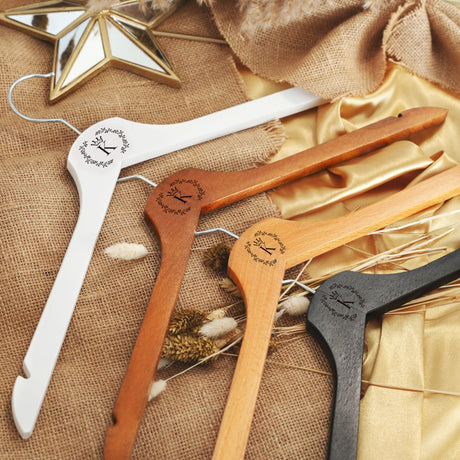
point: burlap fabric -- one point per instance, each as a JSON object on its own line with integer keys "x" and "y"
{"x": 339, "y": 47}
{"x": 39, "y": 208}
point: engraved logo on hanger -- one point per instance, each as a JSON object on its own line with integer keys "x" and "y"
{"x": 179, "y": 196}
{"x": 99, "y": 150}
{"x": 100, "y": 143}
{"x": 265, "y": 247}
{"x": 342, "y": 301}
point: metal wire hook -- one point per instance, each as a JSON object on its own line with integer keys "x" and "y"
{"x": 138, "y": 176}
{"x": 298, "y": 283}
{"x": 38, "y": 120}
{"x": 197, "y": 233}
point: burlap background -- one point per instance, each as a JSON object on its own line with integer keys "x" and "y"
{"x": 341, "y": 47}
{"x": 39, "y": 208}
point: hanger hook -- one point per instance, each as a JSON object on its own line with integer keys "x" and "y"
{"x": 38, "y": 120}
{"x": 298, "y": 283}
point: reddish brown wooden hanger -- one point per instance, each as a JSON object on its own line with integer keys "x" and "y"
{"x": 174, "y": 209}
{"x": 259, "y": 273}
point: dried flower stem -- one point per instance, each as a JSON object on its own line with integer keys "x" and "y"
{"x": 446, "y": 296}
{"x": 290, "y": 286}
{"x": 222, "y": 351}
{"x": 418, "y": 222}
{"x": 368, "y": 382}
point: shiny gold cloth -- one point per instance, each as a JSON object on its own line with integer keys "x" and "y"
{"x": 413, "y": 351}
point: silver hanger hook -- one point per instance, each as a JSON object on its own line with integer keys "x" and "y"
{"x": 38, "y": 120}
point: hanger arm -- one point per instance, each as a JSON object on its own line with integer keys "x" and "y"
{"x": 151, "y": 141}
{"x": 237, "y": 418}
{"x": 230, "y": 187}
{"x": 133, "y": 395}
{"x": 259, "y": 252}
{"x": 327, "y": 235}
{"x": 339, "y": 311}
{"x": 41, "y": 357}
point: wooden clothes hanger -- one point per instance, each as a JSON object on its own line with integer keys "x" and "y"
{"x": 257, "y": 264}
{"x": 174, "y": 210}
{"x": 95, "y": 161}
{"x": 339, "y": 311}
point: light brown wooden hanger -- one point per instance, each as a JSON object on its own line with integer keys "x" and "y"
{"x": 258, "y": 273}
{"x": 174, "y": 209}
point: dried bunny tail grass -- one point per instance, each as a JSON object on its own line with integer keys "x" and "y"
{"x": 295, "y": 305}
{"x": 126, "y": 251}
{"x": 157, "y": 387}
{"x": 263, "y": 14}
{"x": 216, "y": 314}
{"x": 229, "y": 286}
{"x": 165, "y": 4}
{"x": 94, "y": 6}
{"x": 235, "y": 335}
{"x": 218, "y": 328}
{"x": 164, "y": 363}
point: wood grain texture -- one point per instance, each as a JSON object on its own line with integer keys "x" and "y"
{"x": 257, "y": 263}
{"x": 173, "y": 210}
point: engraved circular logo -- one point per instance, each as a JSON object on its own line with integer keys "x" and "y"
{"x": 265, "y": 247}
{"x": 342, "y": 301}
{"x": 177, "y": 200}
{"x": 101, "y": 149}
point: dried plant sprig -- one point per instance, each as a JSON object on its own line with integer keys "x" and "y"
{"x": 295, "y": 305}
{"x": 188, "y": 348}
{"x": 186, "y": 321}
{"x": 444, "y": 296}
{"x": 217, "y": 256}
{"x": 94, "y": 6}
{"x": 447, "y": 295}
{"x": 263, "y": 14}
{"x": 229, "y": 286}
{"x": 157, "y": 387}
{"x": 385, "y": 257}
{"x": 367, "y": 382}
{"x": 126, "y": 251}
{"x": 218, "y": 327}
{"x": 166, "y": 4}
{"x": 391, "y": 229}
{"x": 233, "y": 335}
{"x": 210, "y": 357}
{"x": 216, "y": 314}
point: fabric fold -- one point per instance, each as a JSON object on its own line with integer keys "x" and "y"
{"x": 339, "y": 48}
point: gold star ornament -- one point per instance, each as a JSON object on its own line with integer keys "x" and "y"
{"x": 86, "y": 41}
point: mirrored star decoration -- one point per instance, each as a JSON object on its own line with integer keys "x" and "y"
{"x": 86, "y": 42}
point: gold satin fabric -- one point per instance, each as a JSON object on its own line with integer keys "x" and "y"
{"x": 414, "y": 351}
